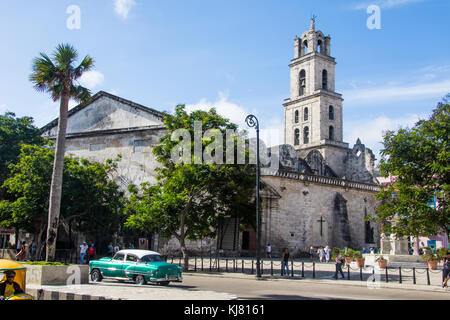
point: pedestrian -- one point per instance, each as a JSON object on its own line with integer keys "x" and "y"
{"x": 446, "y": 269}
{"x": 339, "y": 263}
{"x": 269, "y": 250}
{"x": 363, "y": 251}
{"x": 321, "y": 253}
{"x": 285, "y": 262}
{"x": 92, "y": 252}
{"x": 110, "y": 249}
{"x": 83, "y": 250}
{"x": 33, "y": 249}
{"x": 22, "y": 255}
{"x": 327, "y": 254}
{"x": 311, "y": 253}
{"x": 19, "y": 246}
{"x": 116, "y": 248}
{"x": 130, "y": 245}
{"x": 372, "y": 250}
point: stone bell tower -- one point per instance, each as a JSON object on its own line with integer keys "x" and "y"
{"x": 313, "y": 113}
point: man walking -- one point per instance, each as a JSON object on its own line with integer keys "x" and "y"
{"x": 339, "y": 263}
{"x": 83, "y": 249}
{"x": 285, "y": 262}
{"x": 269, "y": 250}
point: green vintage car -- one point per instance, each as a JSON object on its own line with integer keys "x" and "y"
{"x": 140, "y": 266}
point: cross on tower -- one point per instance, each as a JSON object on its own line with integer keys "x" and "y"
{"x": 321, "y": 225}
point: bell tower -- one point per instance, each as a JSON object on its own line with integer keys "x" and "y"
{"x": 313, "y": 113}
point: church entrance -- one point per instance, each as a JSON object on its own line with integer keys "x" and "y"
{"x": 249, "y": 240}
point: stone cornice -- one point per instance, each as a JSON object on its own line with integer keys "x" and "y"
{"x": 316, "y": 94}
{"x": 310, "y": 56}
{"x": 109, "y": 132}
{"x": 336, "y": 182}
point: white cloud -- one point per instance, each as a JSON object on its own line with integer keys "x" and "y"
{"x": 91, "y": 79}
{"x": 123, "y": 7}
{"x": 387, "y": 4}
{"x": 371, "y": 131}
{"x": 271, "y": 131}
{"x": 406, "y": 92}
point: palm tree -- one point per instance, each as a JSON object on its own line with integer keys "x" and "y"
{"x": 58, "y": 77}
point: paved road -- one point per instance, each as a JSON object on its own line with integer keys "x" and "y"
{"x": 238, "y": 286}
{"x": 285, "y": 289}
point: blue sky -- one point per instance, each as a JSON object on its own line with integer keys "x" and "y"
{"x": 234, "y": 55}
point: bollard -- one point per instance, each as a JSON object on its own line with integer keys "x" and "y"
{"x": 218, "y": 265}
{"x": 414, "y": 275}
{"x": 428, "y": 277}
{"x": 314, "y": 270}
{"x": 202, "y": 263}
{"x": 387, "y": 276}
{"x": 252, "y": 266}
{"x": 195, "y": 264}
{"x": 261, "y": 264}
{"x": 400, "y": 274}
{"x": 210, "y": 264}
{"x": 271, "y": 268}
{"x": 242, "y": 265}
{"x": 303, "y": 269}
{"x": 348, "y": 271}
{"x": 226, "y": 265}
{"x": 360, "y": 274}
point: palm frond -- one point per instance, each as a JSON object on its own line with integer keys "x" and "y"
{"x": 44, "y": 72}
{"x": 80, "y": 94}
{"x": 64, "y": 56}
{"x": 85, "y": 65}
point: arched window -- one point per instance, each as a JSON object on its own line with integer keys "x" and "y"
{"x": 325, "y": 79}
{"x": 319, "y": 46}
{"x": 306, "y": 114}
{"x": 302, "y": 82}
{"x": 331, "y": 133}
{"x": 296, "y": 137}
{"x": 331, "y": 113}
{"x": 296, "y": 116}
{"x": 306, "y": 135}
{"x": 305, "y": 47}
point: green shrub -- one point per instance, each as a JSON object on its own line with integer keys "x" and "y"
{"x": 442, "y": 253}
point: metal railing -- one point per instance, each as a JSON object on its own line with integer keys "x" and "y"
{"x": 306, "y": 269}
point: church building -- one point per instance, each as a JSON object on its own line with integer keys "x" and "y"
{"x": 318, "y": 194}
{"x": 323, "y": 189}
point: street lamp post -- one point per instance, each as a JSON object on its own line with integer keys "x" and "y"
{"x": 253, "y": 122}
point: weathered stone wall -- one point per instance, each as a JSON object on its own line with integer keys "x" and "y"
{"x": 292, "y": 220}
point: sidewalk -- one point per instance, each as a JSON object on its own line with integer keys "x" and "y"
{"x": 327, "y": 280}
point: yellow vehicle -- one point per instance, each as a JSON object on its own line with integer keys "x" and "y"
{"x": 12, "y": 285}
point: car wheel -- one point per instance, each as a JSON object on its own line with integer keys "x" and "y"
{"x": 164, "y": 283}
{"x": 96, "y": 276}
{"x": 140, "y": 280}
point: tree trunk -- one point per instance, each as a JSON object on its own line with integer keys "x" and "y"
{"x": 184, "y": 254}
{"x": 57, "y": 177}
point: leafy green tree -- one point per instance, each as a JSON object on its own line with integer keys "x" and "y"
{"x": 14, "y": 131}
{"x": 92, "y": 202}
{"x": 190, "y": 199}
{"x": 417, "y": 202}
{"x": 58, "y": 76}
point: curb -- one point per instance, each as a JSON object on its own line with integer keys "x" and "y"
{"x": 42, "y": 294}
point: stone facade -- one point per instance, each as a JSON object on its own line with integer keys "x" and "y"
{"x": 323, "y": 190}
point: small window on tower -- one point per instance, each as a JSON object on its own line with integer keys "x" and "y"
{"x": 302, "y": 82}
{"x": 331, "y": 133}
{"x": 331, "y": 113}
{"x": 306, "y": 115}
{"x": 306, "y": 135}
{"x": 296, "y": 116}
{"x": 325, "y": 79}
{"x": 296, "y": 137}
{"x": 305, "y": 47}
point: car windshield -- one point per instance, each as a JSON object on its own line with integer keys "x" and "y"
{"x": 151, "y": 258}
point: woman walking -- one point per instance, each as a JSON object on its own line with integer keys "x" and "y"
{"x": 285, "y": 262}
